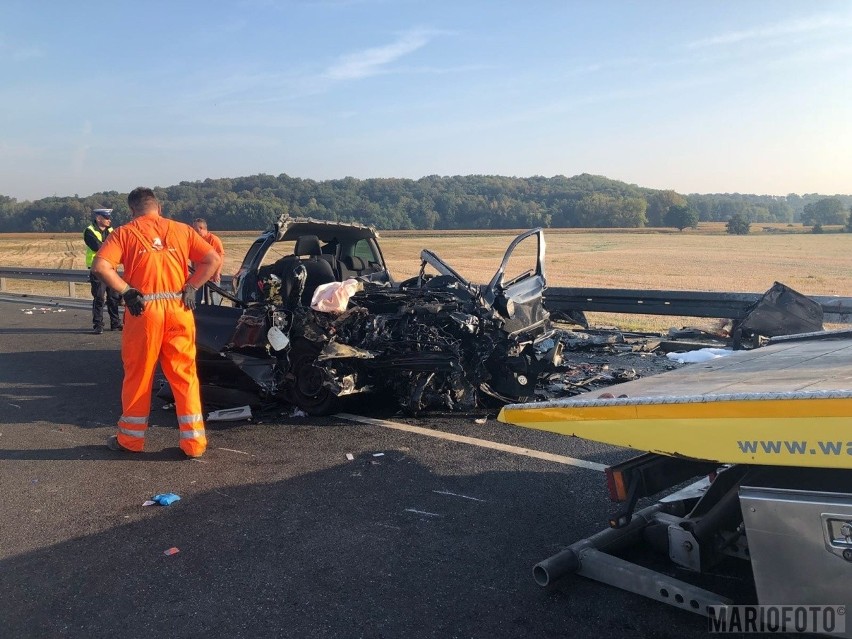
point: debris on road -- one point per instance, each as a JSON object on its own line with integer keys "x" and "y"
{"x": 165, "y": 499}
{"x": 41, "y": 309}
{"x": 701, "y": 355}
{"x": 780, "y": 311}
{"x": 230, "y": 414}
{"x": 171, "y": 551}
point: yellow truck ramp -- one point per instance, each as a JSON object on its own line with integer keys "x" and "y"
{"x": 785, "y": 404}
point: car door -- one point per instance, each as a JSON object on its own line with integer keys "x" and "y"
{"x": 517, "y": 289}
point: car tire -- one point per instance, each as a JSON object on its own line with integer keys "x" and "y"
{"x": 307, "y": 390}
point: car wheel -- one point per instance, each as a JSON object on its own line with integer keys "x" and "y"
{"x": 307, "y": 390}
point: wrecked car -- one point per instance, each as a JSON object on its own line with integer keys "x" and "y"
{"x": 331, "y": 251}
{"x": 433, "y": 341}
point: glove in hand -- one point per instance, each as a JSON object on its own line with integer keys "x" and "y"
{"x": 189, "y": 292}
{"x": 134, "y": 301}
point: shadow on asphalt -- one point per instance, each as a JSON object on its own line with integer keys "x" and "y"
{"x": 93, "y": 453}
{"x": 368, "y": 548}
{"x": 53, "y": 331}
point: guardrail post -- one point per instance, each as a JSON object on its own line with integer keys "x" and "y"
{"x": 2, "y": 283}
{"x": 71, "y": 290}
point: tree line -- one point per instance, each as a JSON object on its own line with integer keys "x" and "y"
{"x": 432, "y": 202}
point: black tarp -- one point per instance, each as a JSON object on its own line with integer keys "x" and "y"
{"x": 780, "y": 311}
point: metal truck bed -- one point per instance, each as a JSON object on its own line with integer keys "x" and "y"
{"x": 785, "y": 404}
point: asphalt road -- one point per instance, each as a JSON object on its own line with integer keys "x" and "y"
{"x": 279, "y": 533}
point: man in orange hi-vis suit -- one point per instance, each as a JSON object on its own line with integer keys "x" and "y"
{"x": 159, "y": 297}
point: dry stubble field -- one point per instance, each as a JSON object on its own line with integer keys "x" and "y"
{"x": 703, "y": 260}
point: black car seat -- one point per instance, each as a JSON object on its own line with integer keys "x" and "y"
{"x": 309, "y": 246}
{"x": 319, "y": 271}
{"x": 351, "y": 266}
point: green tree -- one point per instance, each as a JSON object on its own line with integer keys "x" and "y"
{"x": 681, "y": 217}
{"x": 659, "y": 203}
{"x": 738, "y": 225}
{"x": 829, "y": 210}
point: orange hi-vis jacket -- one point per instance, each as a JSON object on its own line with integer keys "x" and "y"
{"x": 156, "y": 252}
{"x": 216, "y": 243}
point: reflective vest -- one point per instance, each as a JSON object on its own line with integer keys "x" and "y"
{"x": 90, "y": 254}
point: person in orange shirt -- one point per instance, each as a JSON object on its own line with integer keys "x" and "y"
{"x": 159, "y": 296}
{"x": 200, "y": 226}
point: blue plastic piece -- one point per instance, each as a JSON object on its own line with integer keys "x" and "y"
{"x": 165, "y": 499}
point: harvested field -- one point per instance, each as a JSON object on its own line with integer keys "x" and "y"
{"x": 707, "y": 260}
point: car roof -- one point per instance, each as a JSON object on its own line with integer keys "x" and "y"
{"x": 292, "y": 228}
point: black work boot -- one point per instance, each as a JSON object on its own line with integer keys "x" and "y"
{"x": 113, "y": 444}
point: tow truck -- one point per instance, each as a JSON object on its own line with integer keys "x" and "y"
{"x": 752, "y": 454}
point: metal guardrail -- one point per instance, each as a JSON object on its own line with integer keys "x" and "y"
{"x": 601, "y": 300}
{"x": 73, "y": 277}
{"x": 685, "y": 303}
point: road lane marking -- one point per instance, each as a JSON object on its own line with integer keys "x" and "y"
{"x": 473, "y": 441}
{"x": 446, "y": 492}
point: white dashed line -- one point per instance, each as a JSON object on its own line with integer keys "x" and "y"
{"x": 473, "y": 441}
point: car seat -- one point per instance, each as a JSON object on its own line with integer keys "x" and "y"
{"x": 351, "y": 266}
{"x": 319, "y": 270}
{"x": 309, "y": 246}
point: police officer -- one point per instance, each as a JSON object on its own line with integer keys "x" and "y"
{"x": 94, "y": 236}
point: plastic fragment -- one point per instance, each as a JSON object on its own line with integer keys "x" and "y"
{"x": 378, "y": 454}
{"x": 350, "y": 456}
{"x": 148, "y": 502}
{"x": 171, "y": 551}
{"x": 164, "y": 499}
{"x": 230, "y": 414}
{"x": 277, "y": 339}
{"x": 481, "y": 420}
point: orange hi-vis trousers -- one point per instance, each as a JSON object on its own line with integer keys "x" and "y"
{"x": 165, "y": 332}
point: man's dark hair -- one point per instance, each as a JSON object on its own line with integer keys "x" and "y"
{"x": 200, "y": 220}
{"x": 141, "y": 199}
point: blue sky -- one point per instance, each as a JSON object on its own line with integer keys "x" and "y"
{"x": 709, "y": 97}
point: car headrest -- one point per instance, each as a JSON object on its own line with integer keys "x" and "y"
{"x": 353, "y": 263}
{"x": 307, "y": 245}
